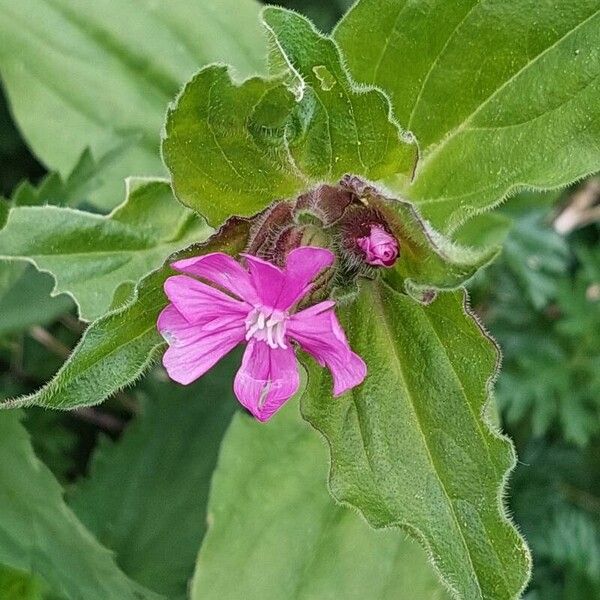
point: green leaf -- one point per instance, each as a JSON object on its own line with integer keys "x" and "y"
{"x": 25, "y": 298}
{"x": 499, "y": 95}
{"x": 296, "y": 543}
{"x": 410, "y": 446}
{"x": 87, "y": 176}
{"x": 100, "y": 74}
{"x": 54, "y": 440}
{"x": 90, "y": 255}
{"x": 342, "y": 127}
{"x": 217, "y": 165}
{"x": 41, "y": 535}
{"x": 485, "y": 230}
{"x": 146, "y": 496}
{"x": 116, "y": 349}
{"x": 234, "y": 149}
{"x": 19, "y": 585}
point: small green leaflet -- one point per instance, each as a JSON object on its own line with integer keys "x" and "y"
{"x": 146, "y": 495}
{"x": 297, "y": 543}
{"x": 120, "y": 346}
{"x": 537, "y": 256}
{"x": 90, "y": 255}
{"x": 500, "y": 95}
{"x": 41, "y": 535}
{"x": 234, "y": 149}
{"x": 410, "y": 447}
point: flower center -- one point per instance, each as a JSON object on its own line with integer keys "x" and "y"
{"x": 268, "y": 325}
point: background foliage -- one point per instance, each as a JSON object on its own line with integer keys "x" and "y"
{"x": 540, "y": 299}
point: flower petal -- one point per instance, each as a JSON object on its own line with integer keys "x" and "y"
{"x": 267, "y": 279}
{"x": 221, "y": 269}
{"x": 267, "y": 378}
{"x": 320, "y": 334}
{"x": 281, "y": 289}
{"x": 200, "y": 303}
{"x": 192, "y": 350}
{"x": 302, "y": 267}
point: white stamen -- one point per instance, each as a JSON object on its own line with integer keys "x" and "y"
{"x": 267, "y": 325}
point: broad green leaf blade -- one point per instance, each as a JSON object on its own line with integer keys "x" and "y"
{"x": 41, "y": 535}
{"x": 410, "y": 446}
{"x": 90, "y": 255}
{"x": 500, "y": 95}
{"x": 116, "y": 349}
{"x": 234, "y": 149}
{"x": 219, "y": 165}
{"x": 100, "y": 74}
{"x": 273, "y": 525}
{"x": 342, "y": 127}
{"x": 146, "y": 496}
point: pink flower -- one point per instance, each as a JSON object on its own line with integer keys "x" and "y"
{"x": 380, "y": 248}
{"x": 203, "y": 323}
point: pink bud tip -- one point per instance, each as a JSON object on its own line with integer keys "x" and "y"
{"x": 380, "y": 248}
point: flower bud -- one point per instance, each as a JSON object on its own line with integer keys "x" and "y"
{"x": 380, "y": 247}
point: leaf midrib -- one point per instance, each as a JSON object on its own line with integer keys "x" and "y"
{"x": 437, "y": 58}
{"x": 457, "y": 130}
{"x": 398, "y": 364}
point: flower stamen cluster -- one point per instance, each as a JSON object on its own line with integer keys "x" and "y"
{"x": 267, "y": 325}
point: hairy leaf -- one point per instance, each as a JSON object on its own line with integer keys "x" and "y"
{"x": 410, "y": 446}
{"x": 234, "y": 149}
{"x": 217, "y": 165}
{"x": 146, "y": 496}
{"x": 91, "y": 255}
{"x": 117, "y": 348}
{"x": 341, "y": 127}
{"x": 41, "y": 535}
{"x": 297, "y": 543}
{"x": 499, "y": 94}
{"x": 100, "y": 74}
{"x": 485, "y": 230}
